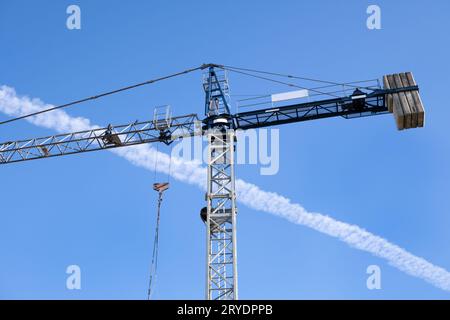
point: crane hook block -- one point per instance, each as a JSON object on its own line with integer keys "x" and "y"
{"x": 161, "y": 186}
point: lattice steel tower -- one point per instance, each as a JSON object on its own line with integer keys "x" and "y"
{"x": 220, "y": 212}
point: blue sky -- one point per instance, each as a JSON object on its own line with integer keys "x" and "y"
{"x": 97, "y": 210}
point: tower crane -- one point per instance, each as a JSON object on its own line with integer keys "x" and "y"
{"x": 398, "y": 95}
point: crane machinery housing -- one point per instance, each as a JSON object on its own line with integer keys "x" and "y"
{"x": 399, "y": 95}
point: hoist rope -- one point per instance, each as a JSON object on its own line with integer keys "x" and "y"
{"x": 169, "y": 173}
{"x": 332, "y": 83}
{"x": 103, "y": 94}
{"x": 156, "y": 162}
{"x": 347, "y": 84}
{"x": 243, "y": 71}
{"x": 281, "y": 82}
{"x": 154, "y": 264}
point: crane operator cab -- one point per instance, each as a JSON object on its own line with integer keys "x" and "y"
{"x": 357, "y": 103}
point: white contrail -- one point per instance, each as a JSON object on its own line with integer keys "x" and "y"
{"x": 249, "y": 194}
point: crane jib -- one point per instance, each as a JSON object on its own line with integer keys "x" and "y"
{"x": 185, "y": 126}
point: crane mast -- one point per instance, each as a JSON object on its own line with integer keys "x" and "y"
{"x": 220, "y": 215}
